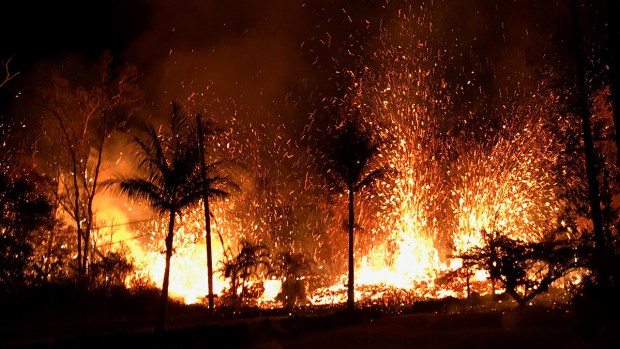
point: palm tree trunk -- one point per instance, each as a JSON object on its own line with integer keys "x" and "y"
{"x": 351, "y": 285}
{"x": 233, "y": 287}
{"x": 160, "y": 326}
{"x": 467, "y": 275}
{"x": 243, "y": 284}
{"x": 209, "y": 253}
{"x": 205, "y": 201}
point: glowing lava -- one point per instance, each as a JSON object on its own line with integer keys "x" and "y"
{"x": 454, "y": 177}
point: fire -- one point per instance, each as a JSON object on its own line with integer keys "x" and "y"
{"x": 188, "y": 271}
{"x": 413, "y": 259}
{"x": 451, "y": 183}
{"x": 455, "y": 177}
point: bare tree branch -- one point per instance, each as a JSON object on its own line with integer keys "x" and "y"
{"x": 8, "y": 75}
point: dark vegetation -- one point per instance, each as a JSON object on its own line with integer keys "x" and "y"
{"x": 191, "y": 326}
{"x": 252, "y": 328}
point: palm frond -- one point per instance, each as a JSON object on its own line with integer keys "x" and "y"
{"x": 222, "y": 182}
{"x": 189, "y": 199}
{"x": 178, "y": 120}
{"x": 141, "y": 189}
{"x": 218, "y": 194}
{"x": 150, "y": 152}
{"x": 371, "y": 178}
{"x": 349, "y": 149}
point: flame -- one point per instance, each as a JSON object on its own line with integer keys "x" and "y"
{"x": 454, "y": 178}
{"x": 188, "y": 271}
{"x": 451, "y": 183}
{"x": 415, "y": 258}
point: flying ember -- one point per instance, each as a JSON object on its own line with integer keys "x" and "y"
{"x": 451, "y": 178}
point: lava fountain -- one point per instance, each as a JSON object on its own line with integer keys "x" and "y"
{"x": 455, "y": 176}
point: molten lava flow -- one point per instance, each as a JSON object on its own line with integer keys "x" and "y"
{"x": 188, "y": 266}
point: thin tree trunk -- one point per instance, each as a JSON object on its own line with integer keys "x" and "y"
{"x": 92, "y": 192}
{"x": 467, "y": 275}
{"x": 243, "y": 283}
{"x": 76, "y": 212}
{"x": 85, "y": 253}
{"x": 76, "y": 206}
{"x": 593, "y": 185}
{"x": 351, "y": 285}
{"x": 205, "y": 201}
{"x": 48, "y": 260}
{"x": 160, "y": 326}
{"x": 233, "y": 286}
{"x": 614, "y": 70}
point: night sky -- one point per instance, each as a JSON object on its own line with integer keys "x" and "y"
{"x": 276, "y": 57}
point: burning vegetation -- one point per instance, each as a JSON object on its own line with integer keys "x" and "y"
{"x": 410, "y": 184}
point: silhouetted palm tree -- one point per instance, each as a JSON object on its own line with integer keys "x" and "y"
{"x": 252, "y": 263}
{"x": 350, "y": 150}
{"x": 170, "y": 180}
{"x": 293, "y": 269}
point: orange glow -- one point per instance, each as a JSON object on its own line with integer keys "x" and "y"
{"x": 188, "y": 271}
{"x": 447, "y": 188}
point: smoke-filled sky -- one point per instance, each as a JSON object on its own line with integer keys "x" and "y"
{"x": 277, "y": 59}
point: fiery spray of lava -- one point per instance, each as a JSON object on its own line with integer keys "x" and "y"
{"x": 508, "y": 184}
{"x": 456, "y": 175}
{"x": 259, "y": 211}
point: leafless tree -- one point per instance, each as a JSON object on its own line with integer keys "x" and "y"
{"x": 8, "y": 76}
{"x": 79, "y": 121}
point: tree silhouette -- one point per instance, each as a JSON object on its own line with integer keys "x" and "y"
{"x": 525, "y": 269}
{"x": 293, "y": 269}
{"x": 79, "y": 121}
{"x": 111, "y": 269}
{"x": 8, "y": 76}
{"x": 215, "y": 185}
{"x": 583, "y": 105}
{"x": 611, "y": 8}
{"x": 252, "y": 262}
{"x": 170, "y": 180}
{"x": 26, "y": 206}
{"x": 347, "y": 157}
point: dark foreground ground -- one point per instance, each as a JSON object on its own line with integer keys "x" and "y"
{"x": 533, "y": 328}
{"x": 490, "y": 330}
